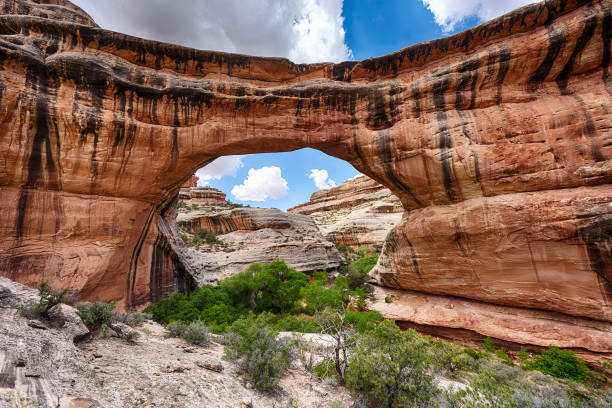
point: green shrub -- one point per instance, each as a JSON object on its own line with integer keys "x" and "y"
{"x": 324, "y": 369}
{"x": 261, "y": 357}
{"x": 487, "y": 345}
{"x": 320, "y": 277}
{"x": 316, "y": 298}
{"x": 131, "y": 336}
{"x": 503, "y": 356}
{"x": 274, "y": 287}
{"x": 449, "y": 358}
{"x": 176, "y": 329}
{"x": 561, "y": 364}
{"x": 475, "y": 354}
{"x": 364, "y": 321}
{"x": 208, "y": 237}
{"x": 197, "y": 333}
{"x": 486, "y": 392}
{"x": 96, "y": 314}
{"x": 388, "y": 299}
{"x": 358, "y": 272}
{"x": 296, "y": 324}
{"x": 523, "y": 355}
{"x": 132, "y": 318}
{"x": 49, "y": 298}
{"x": 388, "y": 369}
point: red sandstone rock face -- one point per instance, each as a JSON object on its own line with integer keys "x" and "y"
{"x": 510, "y": 120}
{"x": 191, "y": 182}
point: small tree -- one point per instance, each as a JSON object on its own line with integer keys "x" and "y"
{"x": 333, "y": 322}
{"x": 97, "y": 314}
{"x": 358, "y": 272}
{"x": 262, "y": 358}
{"x": 387, "y": 369}
{"x": 50, "y": 297}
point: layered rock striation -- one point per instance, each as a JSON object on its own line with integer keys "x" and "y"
{"x": 496, "y": 140}
{"x": 207, "y": 195}
{"x": 249, "y": 235}
{"x": 358, "y": 213}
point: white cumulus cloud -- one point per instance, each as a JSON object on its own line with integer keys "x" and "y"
{"x": 355, "y": 176}
{"x": 223, "y": 166}
{"x": 302, "y": 30}
{"x": 321, "y": 179}
{"x": 261, "y": 184}
{"x": 448, "y": 13}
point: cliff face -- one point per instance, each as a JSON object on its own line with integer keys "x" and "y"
{"x": 496, "y": 141}
{"x": 248, "y": 235}
{"x": 358, "y": 213}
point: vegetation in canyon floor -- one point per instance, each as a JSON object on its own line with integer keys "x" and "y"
{"x": 381, "y": 365}
{"x": 290, "y": 298}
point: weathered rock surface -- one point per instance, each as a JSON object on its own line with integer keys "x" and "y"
{"x": 358, "y": 213}
{"x": 45, "y": 369}
{"x": 448, "y": 317}
{"x": 207, "y": 195}
{"x": 253, "y": 235}
{"x": 98, "y": 130}
{"x": 191, "y": 182}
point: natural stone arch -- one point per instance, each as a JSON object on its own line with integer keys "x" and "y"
{"x": 98, "y": 130}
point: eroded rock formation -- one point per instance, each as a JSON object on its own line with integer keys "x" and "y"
{"x": 191, "y": 182}
{"x": 207, "y": 195}
{"x": 249, "y": 235}
{"x": 358, "y": 213}
{"x": 496, "y": 141}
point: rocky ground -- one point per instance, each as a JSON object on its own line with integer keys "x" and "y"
{"x": 248, "y": 235}
{"x": 42, "y": 366}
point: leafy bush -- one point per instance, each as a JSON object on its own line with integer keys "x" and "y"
{"x": 197, "y": 333}
{"x": 561, "y": 364}
{"x": 296, "y": 324}
{"x": 319, "y": 277}
{"x": 131, "y": 336}
{"x": 475, "y": 354}
{"x": 358, "y": 272}
{"x": 388, "y": 369}
{"x": 262, "y": 358}
{"x": 487, "y": 345}
{"x": 176, "y": 329}
{"x": 449, "y": 358}
{"x": 503, "y": 356}
{"x": 96, "y": 314}
{"x": 49, "y": 298}
{"x": 132, "y": 318}
{"x": 208, "y": 237}
{"x": 316, "y": 298}
{"x": 324, "y": 369}
{"x": 363, "y": 321}
{"x": 274, "y": 287}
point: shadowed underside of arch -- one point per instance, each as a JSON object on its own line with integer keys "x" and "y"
{"x": 497, "y": 140}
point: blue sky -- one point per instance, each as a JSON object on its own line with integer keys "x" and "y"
{"x": 304, "y": 31}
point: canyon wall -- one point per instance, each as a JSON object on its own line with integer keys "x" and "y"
{"x": 248, "y": 235}
{"x": 496, "y": 140}
{"x": 357, "y": 213}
